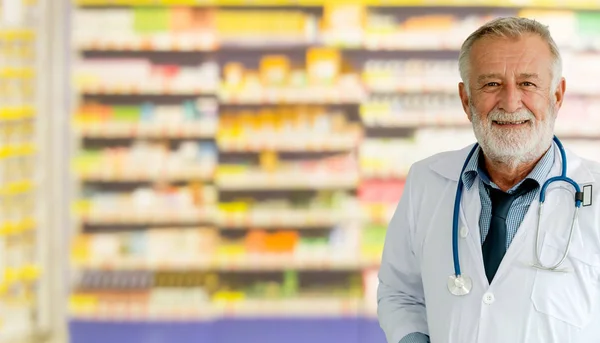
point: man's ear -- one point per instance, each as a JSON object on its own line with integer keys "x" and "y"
{"x": 559, "y": 93}
{"x": 464, "y": 99}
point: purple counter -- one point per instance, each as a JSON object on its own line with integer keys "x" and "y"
{"x": 275, "y": 330}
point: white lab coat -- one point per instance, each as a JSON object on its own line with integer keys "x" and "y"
{"x": 522, "y": 304}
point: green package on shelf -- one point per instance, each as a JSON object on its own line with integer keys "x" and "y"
{"x": 151, "y": 20}
{"x": 126, "y": 113}
{"x": 255, "y": 290}
{"x": 290, "y": 284}
{"x": 588, "y": 23}
{"x": 373, "y": 234}
{"x": 272, "y": 290}
{"x": 314, "y": 241}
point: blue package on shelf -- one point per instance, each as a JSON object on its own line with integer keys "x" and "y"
{"x": 190, "y": 112}
{"x": 147, "y": 112}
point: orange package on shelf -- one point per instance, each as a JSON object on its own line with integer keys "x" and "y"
{"x": 233, "y": 75}
{"x": 274, "y": 70}
{"x": 86, "y": 113}
{"x": 92, "y": 112}
{"x": 430, "y": 22}
{"x": 255, "y": 241}
{"x": 269, "y": 161}
{"x": 209, "y": 239}
{"x": 204, "y": 20}
{"x": 282, "y": 242}
{"x": 323, "y": 65}
{"x": 196, "y": 191}
{"x": 181, "y": 19}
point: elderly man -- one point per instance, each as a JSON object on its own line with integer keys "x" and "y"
{"x": 469, "y": 254}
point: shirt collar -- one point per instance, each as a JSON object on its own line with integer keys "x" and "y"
{"x": 475, "y": 168}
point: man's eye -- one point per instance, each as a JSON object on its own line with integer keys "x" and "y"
{"x": 528, "y": 84}
{"x": 492, "y": 84}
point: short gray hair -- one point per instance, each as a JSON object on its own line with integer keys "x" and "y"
{"x": 510, "y": 27}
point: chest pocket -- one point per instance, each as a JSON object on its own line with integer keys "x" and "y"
{"x": 570, "y": 296}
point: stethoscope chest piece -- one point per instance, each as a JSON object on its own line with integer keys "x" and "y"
{"x": 460, "y": 285}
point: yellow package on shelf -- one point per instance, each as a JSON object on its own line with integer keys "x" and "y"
{"x": 80, "y": 249}
{"x": 9, "y": 228}
{"x": 16, "y": 113}
{"x": 18, "y": 150}
{"x": 144, "y": 2}
{"x": 29, "y": 273}
{"x": 15, "y": 188}
{"x": 228, "y": 250}
{"x": 26, "y": 224}
{"x": 234, "y": 207}
{"x": 81, "y": 207}
{"x": 199, "y": 2}
{"x": 575, "y": 4}
{"x": 17, "y": 35}
{"x": 82, "y": 302}
{"x": 16, "y": 73}
{"x": 255, "y": 2}
{"x": 11, "y": 275}
{"x": 6, "y": 229}
{"x": 228, "y": 296}
{"x": 231, "y": 169}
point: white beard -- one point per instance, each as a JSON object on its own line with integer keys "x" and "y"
{"x": 517, "y": 146}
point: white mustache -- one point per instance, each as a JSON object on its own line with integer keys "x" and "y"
{"x": 499, "y": 115}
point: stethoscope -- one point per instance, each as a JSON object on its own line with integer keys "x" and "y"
{"x": 459, "y": 284}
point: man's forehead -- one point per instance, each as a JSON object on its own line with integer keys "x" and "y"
{"x": 523, "y": 75}
{"x": 527, "y": 45}
{"x": 501, "y": 58}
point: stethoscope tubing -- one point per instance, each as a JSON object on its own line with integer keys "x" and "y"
{"x": 562, "y": 177}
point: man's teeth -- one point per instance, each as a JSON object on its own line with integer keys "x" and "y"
{"x": 511, "y": 122}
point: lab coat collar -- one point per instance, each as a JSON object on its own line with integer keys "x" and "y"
{"x": 450, "y": 165}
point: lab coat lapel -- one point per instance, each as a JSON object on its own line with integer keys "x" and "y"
{"x": 557, "y": 212}
{"x": 450, "y": 167}
{"x": 451, "y": 164}
{"x": 470, "y": 214}
{"x": 528, "y": 226}
{"x": 559, "y": 205}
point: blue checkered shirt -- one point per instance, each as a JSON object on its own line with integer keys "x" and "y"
{"x": 516, "y": 213}
{"x": 520, "y": 206}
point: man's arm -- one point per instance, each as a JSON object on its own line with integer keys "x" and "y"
{"x": 400, "y": 298}
{"x": 415, "y": 337}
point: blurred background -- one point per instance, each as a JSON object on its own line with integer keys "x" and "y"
{"x": 217, "y": 171}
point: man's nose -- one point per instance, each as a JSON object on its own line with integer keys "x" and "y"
{"x": 510, "y": 98}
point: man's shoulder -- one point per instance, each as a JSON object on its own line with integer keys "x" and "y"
{"x": 447, "y": 162}
{"x": 588, "y": 164}
{"x": 593, "y": 167}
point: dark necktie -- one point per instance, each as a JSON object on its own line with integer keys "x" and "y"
{"x": 494, "y": 246}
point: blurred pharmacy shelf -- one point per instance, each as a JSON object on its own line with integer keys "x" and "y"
{"x": 239, "y": 161}
{"x": 550, "y": 4}
{"x": 283, "y": 218}
{"x": 288, "y": 143}
{"x": 242, "y": 263}
{"x": 28, "y": 272}
{"x": 147, "y": 216}
{"x": 114, "y": 130}
{"x": 259, "y": 180}
{"x": 90, "y": 307}
{"x": 192, "y": 173}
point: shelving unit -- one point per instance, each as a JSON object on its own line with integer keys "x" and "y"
{"x": 252, "y": 153}
{"x": 28, "y": 272}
